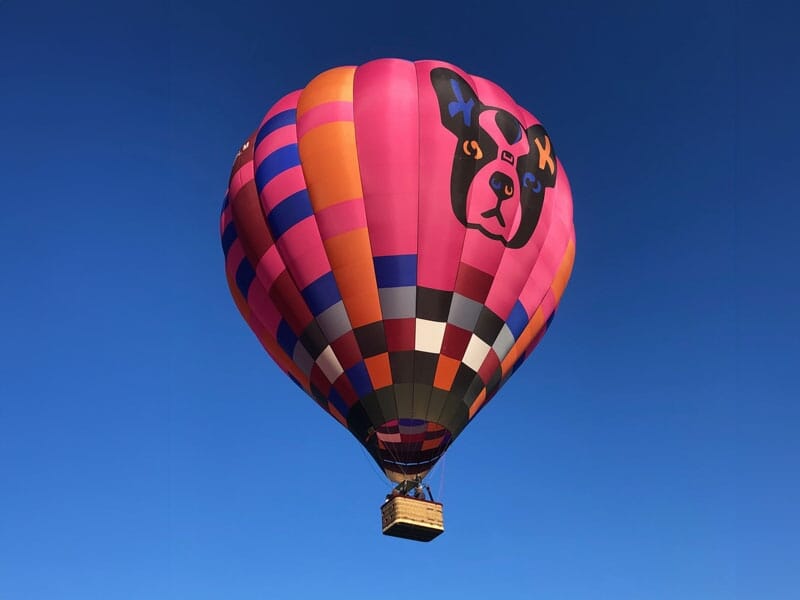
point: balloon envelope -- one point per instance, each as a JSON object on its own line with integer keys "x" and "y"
{"x": 398, "y": 235}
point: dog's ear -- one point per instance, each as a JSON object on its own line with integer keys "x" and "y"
{"x": 539, "y": 166}
{"x": 458, "y": 103}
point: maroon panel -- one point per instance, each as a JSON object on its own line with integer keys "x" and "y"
{"x": 290, "y": 303}
{"x": 346, "y": 390}
{"x": 455, "y": 341}
{"x": 247, "y": 212}
{"x": 473, "y": 283}
{"x": 319, "y": 380}
{"x": 399, "y": 334}
{"x": 347, "y": 350}
{"x": 490, "y": 364}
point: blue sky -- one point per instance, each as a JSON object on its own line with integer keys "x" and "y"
{"x": 648, "y": 449}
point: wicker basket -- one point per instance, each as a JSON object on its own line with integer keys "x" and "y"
{"x": 412, "y": 518}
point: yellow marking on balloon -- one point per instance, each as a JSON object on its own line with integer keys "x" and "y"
{"x": 545, "y": 157}
{"x": 473, "y": 149}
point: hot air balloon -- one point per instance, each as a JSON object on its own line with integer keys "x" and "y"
{"x": 398, "y": 236}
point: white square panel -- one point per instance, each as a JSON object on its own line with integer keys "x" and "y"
{"x": 429, "y": 336}
{"x": 329, "y": 364}
{"x": 475, "y": 353}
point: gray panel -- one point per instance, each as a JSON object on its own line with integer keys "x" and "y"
{"x": 422, "y": 394}
{"x": 398, "y": 302}
{"x": 464, "y": 312}
{"x": 503, "y": 343}
{"x": 334, "y": 321}
{"x": 373, "y": 409}
{"x": 404, "y": 396}
{"x": 436, "y": 403}
{"x": 302, "y": 358}
{"x": 473, "y": 391}
{"x": 454, "y": 414}
{"x": 387, "y": 403}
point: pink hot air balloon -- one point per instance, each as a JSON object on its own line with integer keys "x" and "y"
{"x": 398, "y": 235}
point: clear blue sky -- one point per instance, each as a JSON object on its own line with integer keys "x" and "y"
{"x": 142, "y": 429}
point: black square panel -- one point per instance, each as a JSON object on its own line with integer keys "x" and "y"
{"x": 371, "y": 339}
{"x": 488, "y": 326}
{"x": 433, "y": 305}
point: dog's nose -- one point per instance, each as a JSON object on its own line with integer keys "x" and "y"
{"x": 502, "y": 185}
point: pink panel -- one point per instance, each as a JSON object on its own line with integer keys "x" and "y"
{"x": 492, "y": 94}
{"x": 516, "y": 267}
{"x": 480, "y": 254}
{"x": 387, "y": 142}
{"x": 277, "y": 139}
{"x": 270, "y": 267}
{"x": 303, "y": 252}
{"x": 548, "y": 306}
{"x": 564, "y": 199}
{"x": 440, "y": 234}
{"x": 287, "y": 102}
{"x": 546, "y": 267}
{"x": 328, "y": 112}
{"x": 528, "y": 118}
{"x": 241, "y": 178}
{"x": 281, "y": 187}
{"x": 234, "y": 258}
{"x": 263, "y": 307}
{"x": 340, "y": 218}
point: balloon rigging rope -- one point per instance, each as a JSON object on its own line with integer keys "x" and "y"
{"x": 440, "y": 492}
{"x": 394, "y": 456}
{"x": 374, "y": 467}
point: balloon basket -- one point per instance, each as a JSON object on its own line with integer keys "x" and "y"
{"x": 412, "y": 518}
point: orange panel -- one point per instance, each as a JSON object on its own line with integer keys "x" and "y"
{"x": 380, "y": 371}
{"x": 347, "y": 248}
{"x": 350, "y": 256}
{"x": 445, "y": 372}
{"x": 334, "y": 85}
{"x": 330, "y": 164}
{"x": 359, "y": 292}
{"x": 476, "y": 405}
{"x": 363, "y": 308}
{"x": 431, "y": 444}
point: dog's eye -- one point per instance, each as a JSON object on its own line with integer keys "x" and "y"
{"x": 473, "y": 149}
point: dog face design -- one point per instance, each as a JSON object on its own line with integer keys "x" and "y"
{"x": 500, "y": 169}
